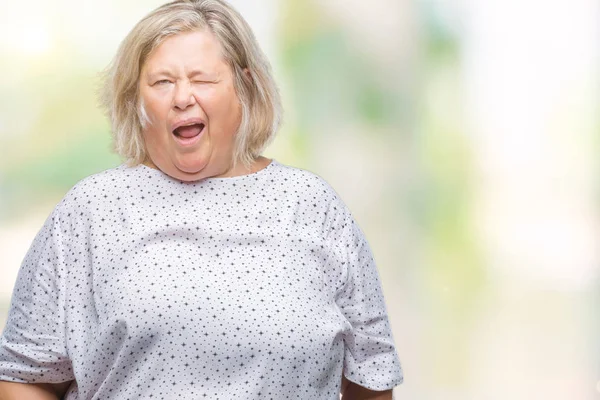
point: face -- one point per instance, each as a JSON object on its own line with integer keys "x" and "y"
{"x": 187, "y": 91}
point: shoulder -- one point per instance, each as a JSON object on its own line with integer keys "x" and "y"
{"x": 111, "y": 177}
{"x": 306, "y": 183}
{"x": 316, "y": 199}
{"x": 91, "y": 188}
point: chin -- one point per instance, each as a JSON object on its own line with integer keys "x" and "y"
{"x": 190, "y": 165}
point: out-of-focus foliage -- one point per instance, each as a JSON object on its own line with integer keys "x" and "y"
{"x": 462, "y": 135}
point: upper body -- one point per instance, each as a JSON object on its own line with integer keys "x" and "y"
{"x": 143, "y": 286}
{"x": 198, "y": 268}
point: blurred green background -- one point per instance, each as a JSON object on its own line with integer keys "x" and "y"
{"x": 462, "y": 135}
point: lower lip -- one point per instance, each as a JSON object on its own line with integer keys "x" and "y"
{"x": 187, "y": 142}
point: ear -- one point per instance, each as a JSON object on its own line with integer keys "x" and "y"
{"x": 247, "y": 73}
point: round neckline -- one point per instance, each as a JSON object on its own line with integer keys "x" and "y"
{"x": 262, "y": 171}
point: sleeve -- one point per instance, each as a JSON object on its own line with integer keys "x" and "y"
{"x": 370, "y": 357}
{"x": 33, "y": 343}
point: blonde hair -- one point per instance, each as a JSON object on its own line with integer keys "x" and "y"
{"x": 259, "y": 97}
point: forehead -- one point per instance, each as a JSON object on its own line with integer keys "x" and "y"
{"x": 195, "y": 49}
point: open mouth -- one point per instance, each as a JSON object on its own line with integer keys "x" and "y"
{"x": 188, "y": 135}
{"x": 189, "y": 131}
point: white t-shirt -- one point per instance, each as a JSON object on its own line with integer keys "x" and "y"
{"x": 141, "y": 286}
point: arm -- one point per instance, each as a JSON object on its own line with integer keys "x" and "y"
{"x": 33, "y": 349}
{"x": 32, "y": 391}
{"x": 370, "y": 359}
{"x": 352, "y": 391}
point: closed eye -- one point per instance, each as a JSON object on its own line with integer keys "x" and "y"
{"x": 162, "y": 82}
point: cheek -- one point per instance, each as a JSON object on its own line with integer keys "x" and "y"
{"x": 221, "y": 106}
{"x": 156, "y": 109}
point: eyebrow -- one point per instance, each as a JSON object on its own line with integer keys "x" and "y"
{"x": 158, "y": 73}
{"x": 166, "y": 72}
{"x": 196, "y": 72}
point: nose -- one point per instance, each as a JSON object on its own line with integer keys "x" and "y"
{"x": 183, "y": 96}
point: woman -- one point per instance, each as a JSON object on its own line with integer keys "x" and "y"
{"x": 198, "y": 268}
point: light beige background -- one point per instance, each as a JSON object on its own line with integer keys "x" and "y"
{"x": 462, "y": 134}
